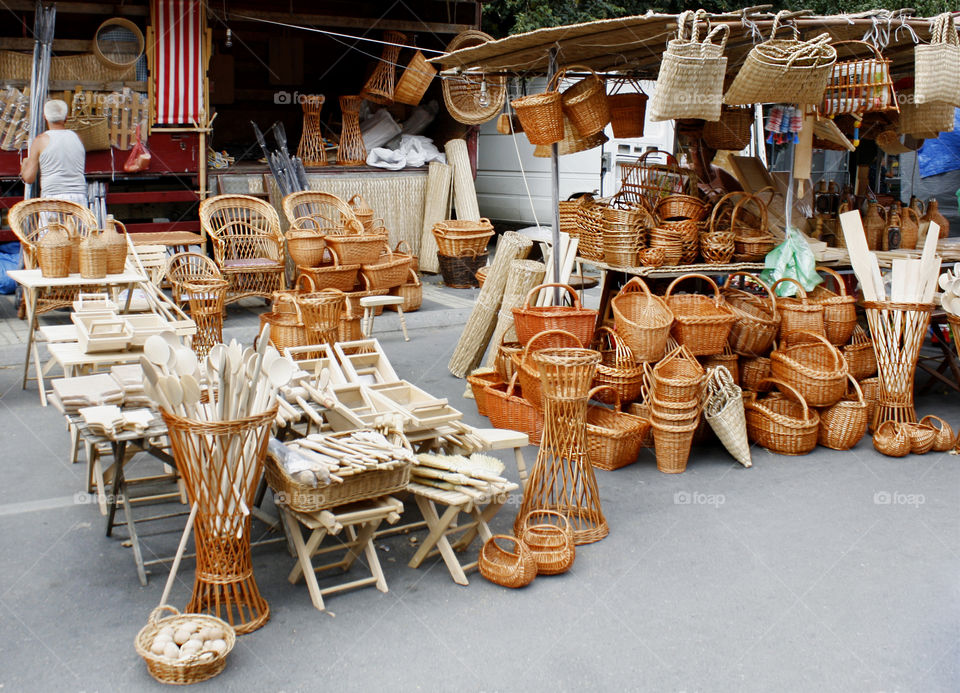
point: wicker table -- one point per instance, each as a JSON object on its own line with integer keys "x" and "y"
{"x": 33, "y": 283}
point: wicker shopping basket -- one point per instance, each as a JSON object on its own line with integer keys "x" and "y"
{"x": 701, "y": 324}
{"x": 507, "y": 568}
{"x": 530, "y": 320}
{"x": 782, "y": 422}
{"x": 845, "y": 423}
{"x": 815, "y": 369}
{"x": 642, "y": 320}
{"x": 549, "y": 537}
{"x": 614, "y": 437}
{"x": 191, "y": 669}
{"x": 757, "y": 320}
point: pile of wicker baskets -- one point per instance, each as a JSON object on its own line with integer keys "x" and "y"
{"x": 462, "y": 250}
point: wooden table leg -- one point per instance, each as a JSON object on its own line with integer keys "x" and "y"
{"x": 437, "y": 537}
{"x": 481, "y": 518}
{"x": 304, "y": 554}
{"x": 373, "y": 561}
{"x": 119, "y": 490}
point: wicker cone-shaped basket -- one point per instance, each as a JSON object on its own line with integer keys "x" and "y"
{"x": 891, "y": 439}
{"x": 782, "y": 422}
{"x": 530, "y": 320}
{"x": 199, "y": 667}
{"x": 816, "y": 369}
{"x": 944, "y": 439}
{"x": 549, "y": 537}
{"x": 701, "y": 324}
{"x": 507, "y": 568}
{"x": 642, "y": 320}
{"x": 724, "y": 412}
{"x": 672, "y": 445}
{"x": 614, "y": 437}
{"x": 845, "y": 423}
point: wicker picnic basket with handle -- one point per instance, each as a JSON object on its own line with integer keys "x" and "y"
{"x": 859, "y": 355}
{"x": 782, "y": 422}
{"x": 504, "y": 567}
{"x": 549, "y": 537}
{"x": 945, "y": 439}
{"x": 701, "y": 324}
{"x": 541, "y": 115}
{"x": 798, "y": 314}
{"x": 642, "y": 320}
{"x": 815, "y": 368}
{"x": 618, "y": 368}
{"x": 306, "y": 246}
{"x": 784, "y": 70}
{"x": 891, "y": 439}
{"x": 355, "y": 247}
{"x": 839, "y": 311}
{"x": 286, "y": 327}
{"x": 527, "y": 370}
{"x": 332, "y": 276}
{"x": 627, "y": 110}
{"x": 479, "y": 379}
{"x": 389, "y": 271}
{"x": 530, "y": 320}
{"x": 585, "y": 103}
{"x": 614, "y": 437}
{"x": 680, "y": 207}
{"x": 757, "y": 320}
{"x": 677, "y": 378}
{"x": 403, "y": 248}
{"x": 203, "y": 665}
{"x": 845, "y": 423}
{"x": 507, "y": 408}
{"x": 751, "y": 243}
{"x": 504, "y": 361}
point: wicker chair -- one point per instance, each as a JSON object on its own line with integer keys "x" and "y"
{"x": 328, "y": 213}
{"x": 247, "y": 244}
{"x": 28, "y": 220}
{"x": 188, "y": 267}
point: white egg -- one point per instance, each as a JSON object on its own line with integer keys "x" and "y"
{"x": 171, "y": 651}
{"x": 182, "y": 635}
{"x": 158, "y": 646}
{"x": 219, "y": 646}
{"x": 214, "y": 633}
{"x": 167, "y": 630}
{"x": 205, "y": 633}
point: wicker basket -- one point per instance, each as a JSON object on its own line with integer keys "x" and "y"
{"x": 526, "y": 369}
{"x": 727, "y": 359}
{"x": 784, "y": 70}
{"x": 677, "y": 379}
{"x": 618, "y": 370}
{"x": 678, "y": 207}
{"x": 335, "y": 276}
{"x": 845, "y": 423}
{"x": 479, "y": 379}
{"x": 199, "y": 667}
{"x": 672, "y": 445}
{"x": 614, "y": 438}
{"x": 871, "y": 394}
{"x": 859, "y": 355}
{"x": 670, "y": 241}
{"x": 506, "y": 408}
{"x": 549, "y": 537}
{"x": 732, "y": 131}
{"x": 839, "y": 311}
{"x": 585, "y": 103}
{"x": 481, "y": 275}
{"x": 462, "y": 93}
{"x": 454, "y": 244}
{"x": 717, "y": 247}
{"x": 642, "y": 320}
{"x": 530, "y": 320}
{"x": 299, "y": 497}
{"x": 116, "y": 243}
{"x": 390, "y": 271}
{"x": 816, "y": 369}
{"x": 627, "y": 112}
{"x": 507, "y": 568}
{"x": 414, "y": 81}
{"x": 922, "y": 437}
{"x": 286, "y": 327}
{"x": 403, "y": 248}
{"x": 306, "y": 247}
{"x": 891, "y": 439}
{"x": 945, "y": 439}
{"x": 461, "y": 272}
{"x": 541, "y": 114}
{"x": 93, "y": 131}
{"x": 757, "y": 320}
{"x": 53, "y": 252}
{"x": 321, "y": 312}
{"x": 700, "y": 324}
{"x": 590, "y": 226}
{"x": 798, "y": 315}
{"x": 357, "y": 248}
{"x": 411, "y": 292}
{"x": 781, "y": 425}
{"x": 754, "y": 372}
{"x": 504, "y": 360}
{"x": 651, "y": 257}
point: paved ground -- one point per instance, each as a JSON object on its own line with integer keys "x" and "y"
{"x": 830, "y": 572}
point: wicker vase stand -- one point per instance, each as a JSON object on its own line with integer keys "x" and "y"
{"x": 206, "y": 298}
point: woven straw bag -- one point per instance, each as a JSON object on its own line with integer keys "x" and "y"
{"x": 926, "y": 120}
{"x": 937, "y": 65}
{"x": 504, "y": 567}
{"x": 784, "y": 70}
{"x": 724, "y": 412}
{"x": 690, "y": 82}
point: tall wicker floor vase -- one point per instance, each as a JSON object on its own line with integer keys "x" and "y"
{"x": 898, "y": 331}
{"x": 563, "y": 479}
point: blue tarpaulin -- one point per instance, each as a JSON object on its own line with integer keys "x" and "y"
{"x": 9, "y": 260}
{"x": 943, "y": 153}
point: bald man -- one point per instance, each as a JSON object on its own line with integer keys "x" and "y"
{"x": 58, "y": 156}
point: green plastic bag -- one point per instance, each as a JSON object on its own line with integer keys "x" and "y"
{"x": 792, "y": 258}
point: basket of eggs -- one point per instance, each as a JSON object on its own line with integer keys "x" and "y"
{"x": 184, "y": 648}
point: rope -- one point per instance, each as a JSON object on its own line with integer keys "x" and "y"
{"x": 523, "y": 173}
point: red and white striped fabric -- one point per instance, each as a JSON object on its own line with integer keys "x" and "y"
{"x": 178, "y": 71}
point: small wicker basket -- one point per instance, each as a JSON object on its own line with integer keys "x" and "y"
{"x": 200, "y": 667}
{"x": 504, "y": 567}
{"x": 549, "y": 537}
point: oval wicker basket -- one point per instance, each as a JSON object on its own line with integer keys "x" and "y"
{"x": 411, "y": 292}
{"x": 891, "y": 439}
{"x": 642, "y": 320}
{"x": 462, "y": 95}
{"x": 701, "y": 324}
{"x": 507, "y": 568}
{"x": 199, "y": 667}
{"x": 677, "y": 207}
{"x": 333, "y": 276}
{"x": 506, "y": 408}
{"x": 757, "y": 321}
{"x": 530, "y": 320}
{"x": 614, "y": 437}
{"x": 479, "y": 379}
{"x": 845, "y": 423}
{"x": 388, "y": 272}
{"x": 357, "y": 248}
{"x": 549, "y": 537}
{"x": 784, "y": 426}
{"x": 816, "y": 369}
{"x": 922, "y": 437}
{"x": 798, "y": 315}
{"x": 754, "y": 371}
{"x": 945, "y": 438}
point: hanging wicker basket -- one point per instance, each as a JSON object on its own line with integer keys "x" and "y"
{"x": 414, "y": 81}
{"x": 541, "y": 115}
{"x": 463, "y": 92}
{"x": 627, "y": 110}
{"x": 585, "y": 103}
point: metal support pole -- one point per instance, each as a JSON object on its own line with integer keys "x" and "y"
{"x": 555, "y": 191}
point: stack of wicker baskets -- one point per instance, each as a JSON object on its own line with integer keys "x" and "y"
{"x": 462, "y": 250}
{"x": 675, "y": 405}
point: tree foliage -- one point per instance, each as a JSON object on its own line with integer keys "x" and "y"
{"x": 504, "y": 17}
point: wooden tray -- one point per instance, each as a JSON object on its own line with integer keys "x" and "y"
{"x": 364, "y": 361}
{"x": 361, "y": 407}
{"x": 423, "y": 409}
{"x": 96, "y": 333}
{"x": 145, "y": 325}
{"x": 94, "y": 302}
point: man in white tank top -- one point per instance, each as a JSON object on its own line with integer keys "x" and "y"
{"x": 58, "y": 156}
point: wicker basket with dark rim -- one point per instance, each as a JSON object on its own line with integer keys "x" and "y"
{"x": 859, "y": 355}
{"x": 506, "y": 408}
{"x": 618, "y": 368}
{"x": 757, "y": 320}
{"x": 701, "y": 324}
{"x": 798, "y": 315}
{"x": 333, "y": 276}
{"x": 200, "y": 667}
{"x": 461, "y": 272}
{"x": 479, "y": 379}
{"x": 839, "y": 311}
{"x": 891, "y": 439}
{"x": 782, "y": 422}
{"x": 614, "y": 437}
{"x": 530, "y": 320}
{"x": 945, "y": 438}
{"x": 527, "y": 370}
{"x": 549, "y": 537}
{"x": 507, "y": 568}
{"x": 642, "y": 320}
{"x": 815, "y": 368}
{"x": 845, "y": 423}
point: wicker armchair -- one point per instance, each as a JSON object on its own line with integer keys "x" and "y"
{"x": 327, "y": 213}
{"x": 29, "y": 220}
{"x": 189, "y": 267}
{"x": 247, "y": 244}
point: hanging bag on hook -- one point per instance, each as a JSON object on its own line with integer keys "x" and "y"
{"x": 139, "y": 158}
{"x": 937, "y": 65}
{"x": 690, "y": 82}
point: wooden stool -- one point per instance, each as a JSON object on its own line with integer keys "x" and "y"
{"x": 505, "y": 439}
{"x": 442, "y": 525}
{"x": 370, "y": 303}
{"x": 360, "y": 520}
